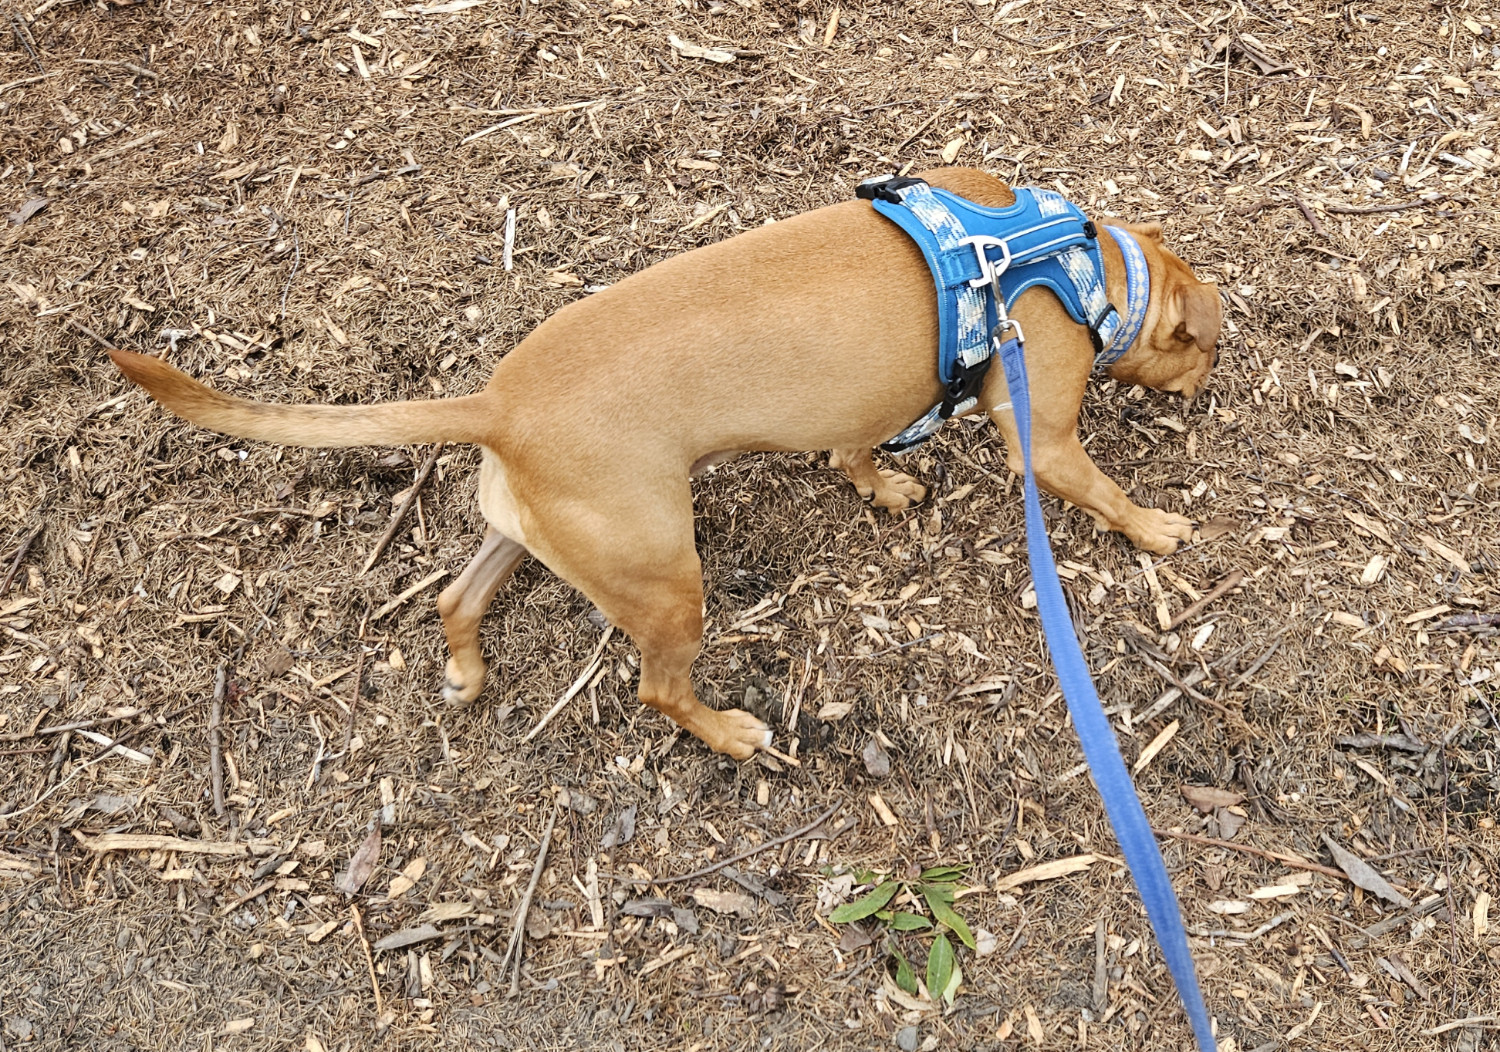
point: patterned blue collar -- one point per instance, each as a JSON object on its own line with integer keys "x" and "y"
{"x": 1138, "y": 297}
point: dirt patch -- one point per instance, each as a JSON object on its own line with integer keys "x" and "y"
{"x": 297, "y": 202}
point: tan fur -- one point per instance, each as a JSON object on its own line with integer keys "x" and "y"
{"x": 818, "y": 332}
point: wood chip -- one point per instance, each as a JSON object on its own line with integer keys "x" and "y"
{"x": 886, "y": 814}
{"x": 1061, "y": 867}
{"x": 151, "y": 842}
{"x": 1157, "y": 745}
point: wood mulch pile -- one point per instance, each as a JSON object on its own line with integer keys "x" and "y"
{"x": 233, "y": 812}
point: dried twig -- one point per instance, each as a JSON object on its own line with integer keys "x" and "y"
{"x": 759, "y": 848}
{"x": 215, "y": 745}
{"x": 406, "y": 506}
{"x": 1290, "y": 860}
{"x": 359, "y": 676}
{"x": 15, "y": 563}
{"x": 1312, "y": 220}
{"x": 126, "y": 147}
{"x": 513, "y": 950}
{"x": 578, "y": 684}
{"x": 1346, "y": 210}
{"x": 24, "y": 81}
{"x": 1229, "y": 583}
{"x": 426, "y": 582}
{"x": 138, "y": 70}
{"x": 359, "y": 929}
{"x": 296, "y": 265}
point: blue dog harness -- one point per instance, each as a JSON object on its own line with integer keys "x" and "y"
{"x": 975, "y": 252}
{"x": 1050, "y": 244}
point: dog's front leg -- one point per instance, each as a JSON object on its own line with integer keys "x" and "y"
{"x": 1065, "y": 469}
{"x": 882, "y": 487}
{"x": 462, "y": 605}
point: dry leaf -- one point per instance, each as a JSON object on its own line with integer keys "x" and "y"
{"x": 1206, "y": 798}
{"x": 1364, "y": 875}
{"x": 361, "y": 865}
{"x": 725, "y": 902}
{"x": 27, "y": 210}
{"x": 835, "y": 710}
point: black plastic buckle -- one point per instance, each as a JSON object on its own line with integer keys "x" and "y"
{"x": 964, "y": 386}
{"x": 1090, "y": 231}
{"x": 1097, "y": 324}
{"x": 884, "y": 187}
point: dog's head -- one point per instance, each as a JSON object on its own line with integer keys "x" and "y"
{"x": 1178, "y": 350}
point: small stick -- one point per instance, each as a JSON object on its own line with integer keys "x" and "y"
{"x": 513, "y": 951}
{"x": 922, "y": 127}
{"x": 125, "y": 147}
{"x": 15, "y": 563}
{"x": 24, "y": 81}
{"x": 426, "y": 582}
{"x": 1312, "y": 220}
{"x": 1345, "y": 210}
{"x": 296, "y": 265}
{"x": 359, "y": 929}
{"x": 91, "y": 334}
{"x": 406, "y": 505}
{"x": 785, "y": 838}
{"x": 1255, "y": 666}
{"x": 254, "y": 893}
{"x": 578, "y": 684}
{"x": 1295, "y": 863}
{"x": 139, "y": 70}
{"x": 215, "y": 746}
{"x": 506, "y": 259}
{"x": 359, "y": 675}
{"x": 1230, "y": 582}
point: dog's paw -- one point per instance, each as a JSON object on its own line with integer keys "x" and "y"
{"x": 737, "y": 733}
{"x": 461, "y": 689}
{"x": 896, "y": 491}
{"x": 1162, "y": 531}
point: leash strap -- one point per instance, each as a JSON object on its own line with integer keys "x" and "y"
{"x": 1100, "y": 748}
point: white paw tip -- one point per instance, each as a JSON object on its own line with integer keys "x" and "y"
{"x": 765, "y": 738}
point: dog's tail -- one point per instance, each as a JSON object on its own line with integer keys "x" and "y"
{"x": 394, "y": 423}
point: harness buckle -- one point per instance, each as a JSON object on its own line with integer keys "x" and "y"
{"x": 884, "y": 188}
{"x": 989, "y": 270}
{"x": 965, "y": 385}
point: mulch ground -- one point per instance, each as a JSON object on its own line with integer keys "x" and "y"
{"x": 309, "y": 202}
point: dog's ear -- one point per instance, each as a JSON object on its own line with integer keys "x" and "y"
{"x": 1149, "y": 231}
{"x": 1198, "y": 312}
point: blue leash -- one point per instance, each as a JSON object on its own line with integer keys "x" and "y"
{"x": 1100, "y": 749}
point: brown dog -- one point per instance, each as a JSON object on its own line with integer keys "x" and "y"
{"x": 819, "y": 332}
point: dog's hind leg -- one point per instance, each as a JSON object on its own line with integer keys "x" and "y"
{"x": 882, "y": 487}
{"x": 462, "y": 605}
{"x": 637, "y": 563}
